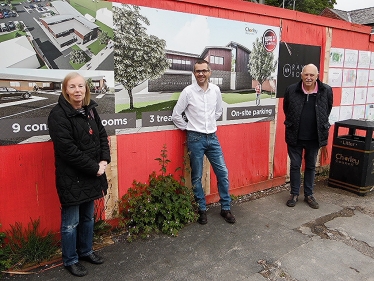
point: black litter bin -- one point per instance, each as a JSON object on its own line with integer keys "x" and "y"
{"x": 352, "y": 157}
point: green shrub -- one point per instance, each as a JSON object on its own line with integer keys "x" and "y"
{"x": 4, "y": 253}
{"x": 161, "y": 205}
{"x": 30, "y": 246}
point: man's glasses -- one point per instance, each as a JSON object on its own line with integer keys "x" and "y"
{"x": 203, "y": 71}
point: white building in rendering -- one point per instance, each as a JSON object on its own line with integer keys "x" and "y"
{"x": 18, "y": 53}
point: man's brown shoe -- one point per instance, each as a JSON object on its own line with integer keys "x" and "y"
{"x": 311, "y": 202}
{"x": 228, "y": 216}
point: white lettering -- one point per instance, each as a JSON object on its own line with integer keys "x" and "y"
{"x": 36, "y": 127}
{"x": 244, "y": 112}
{"x": 114, "y": 122}
{"x": 262, "y": 111}
{"x": 165, "y": 118}
{"x": 16, "y": 128}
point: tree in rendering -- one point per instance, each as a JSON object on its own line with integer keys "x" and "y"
{"x": 20, "y": 26}
{"x": 137, "y": 55}
{"x": 77, "y": 56}
{"x": 90, "y": 83}
{"x": 103, "y": 37}
{"x": 261, "y": 63}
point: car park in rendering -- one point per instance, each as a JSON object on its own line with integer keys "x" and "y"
{"x": 12, "y": 92}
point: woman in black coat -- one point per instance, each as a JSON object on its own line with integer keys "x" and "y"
{"x": 81, "y": 156}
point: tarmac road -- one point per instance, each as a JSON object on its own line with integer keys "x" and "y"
{"x": 270, "y": 241}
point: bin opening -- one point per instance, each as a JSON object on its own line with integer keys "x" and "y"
{"x": 353, "y": 134}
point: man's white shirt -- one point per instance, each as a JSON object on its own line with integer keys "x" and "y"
{"x": 202, "y": 109}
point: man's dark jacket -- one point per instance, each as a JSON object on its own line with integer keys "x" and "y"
{"x": 293, "y": 103}
{"x": 78, "y": 151}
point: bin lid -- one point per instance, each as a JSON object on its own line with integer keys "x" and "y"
{"x": 356, "y": 123}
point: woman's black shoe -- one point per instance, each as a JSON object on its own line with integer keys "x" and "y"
{"x": 92, "y": 258}
{"x": 77, "y": 269}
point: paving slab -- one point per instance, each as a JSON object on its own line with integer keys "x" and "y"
{"x": 274, "y": 208}
{"x": 359, "y": 227}
{"x": 321, "y": 260}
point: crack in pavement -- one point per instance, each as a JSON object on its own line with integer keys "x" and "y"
{"x": 319, "y": 228}
{"x": 273, "y": 270}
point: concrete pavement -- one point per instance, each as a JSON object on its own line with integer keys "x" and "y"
{"x": 270, "y": 241}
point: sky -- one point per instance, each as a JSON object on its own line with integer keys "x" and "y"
{"x": 349, "y": 5}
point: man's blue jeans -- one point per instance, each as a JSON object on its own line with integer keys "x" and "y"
{"x": 295, "y": 153}
{"x": 208, "y": 144}
{"x": 77, "y": 225}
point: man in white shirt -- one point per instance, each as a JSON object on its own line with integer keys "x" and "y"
{"x": 201, "y": 103}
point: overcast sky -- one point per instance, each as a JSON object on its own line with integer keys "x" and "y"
{"x": 349, "y": 5}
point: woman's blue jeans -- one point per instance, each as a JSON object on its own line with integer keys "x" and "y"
{"x": 295, "y": 153}
{"x": 77, "y": 225}
{"x": 200, "y": 144}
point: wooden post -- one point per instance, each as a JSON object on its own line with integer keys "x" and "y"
{"x": 111, "y": 199}
{"x": 273, "y": 130}
{"x": 320, "y": 159}
{"x": 206, "y": 173}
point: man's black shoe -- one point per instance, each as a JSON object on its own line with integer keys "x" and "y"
{"x": 202, "y": 217}
{"x": 92, "y": 258}
{"x": 291, "y": 202}
{"x": 228, "y": 216}
{"x": 77, "y": 269}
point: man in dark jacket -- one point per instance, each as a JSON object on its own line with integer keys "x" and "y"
{"x": 81, "y": 156}
{"x": 307, "y": 106}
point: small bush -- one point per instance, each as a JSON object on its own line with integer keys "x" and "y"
{"x": 4, "y": 253}
{"x": 161, "y": 205}
{"x": 30, "y": 246}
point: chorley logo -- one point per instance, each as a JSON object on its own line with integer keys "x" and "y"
{"x": 346, "y": 160}
{"x": 269, "y": 40}
{"x": 249, "y": 30}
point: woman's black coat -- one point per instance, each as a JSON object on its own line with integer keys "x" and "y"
{"x": 80, "y": 143}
